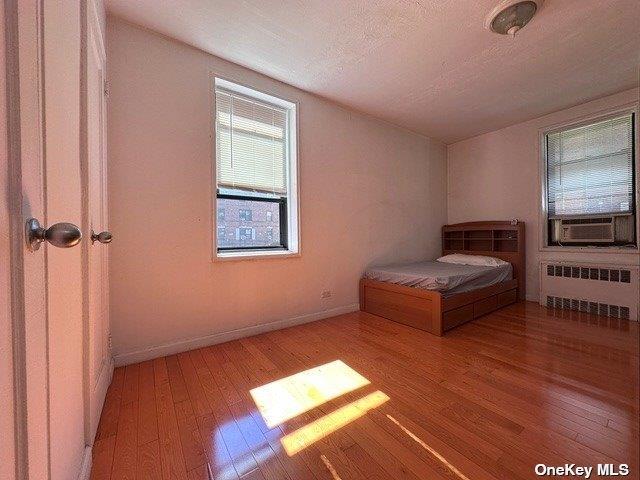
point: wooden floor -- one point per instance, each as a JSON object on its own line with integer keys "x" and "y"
{"x": 490, "y": 400}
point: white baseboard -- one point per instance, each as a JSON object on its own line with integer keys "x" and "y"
{"x": 85, "y": 468}
{"x": 192, "y": 343}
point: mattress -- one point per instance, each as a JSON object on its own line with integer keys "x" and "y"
{"x": 447, "y": 278}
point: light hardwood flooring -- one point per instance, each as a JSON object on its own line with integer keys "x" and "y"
{"x": 490, "y": 400}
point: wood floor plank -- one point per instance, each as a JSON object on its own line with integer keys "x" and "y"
{"x": 227, "y": 390}
{"x": 149, "y": 464}
{"x": 171, "y": 457}
{"x": 130, "y": 384}
{"x": 295, "y": 465}
{"x": 125, "y": 455}
{"x": 203, "y": 472}
{"x": 211, "y": 390}
{"x": 240, "y": 453}
{"x": 215, "y": 448}
{"x": 257, "y": 355}
{"x": 253, "y": 475}
{"x": 192, "y": 445}
{"x": 195, "y": 392}
{"x": 266, "y": 458}
{"x": 312, "y": 454}
{"x": 147, "y": 416}
{"x": 102, "y": 458}
{"x": 176, "y": 379}
{"x": 488, "y": 401}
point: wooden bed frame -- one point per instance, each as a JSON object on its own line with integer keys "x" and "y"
{"x": 428, "y": 310}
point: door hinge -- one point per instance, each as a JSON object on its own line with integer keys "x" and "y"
{"x": 106, "y": 89}
{"x": 110, "y": 342}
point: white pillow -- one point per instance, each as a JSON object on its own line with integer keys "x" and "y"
{"x": 480, "y": 260}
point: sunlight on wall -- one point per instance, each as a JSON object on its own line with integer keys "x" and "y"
{"x": 318, "y": 429}
{"x": 289, "y": 397}
{"x": 423, "y": 444}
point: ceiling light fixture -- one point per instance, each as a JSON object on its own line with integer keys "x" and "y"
{"x": 511, "y": 15}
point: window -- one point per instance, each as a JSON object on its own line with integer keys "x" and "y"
{"x": 245, "y": 215}
{"x": 590, "y": 180}
{"x": 222, "y": 234}
{"x": 246, "y": 235}
{"x": 255, "y": 171}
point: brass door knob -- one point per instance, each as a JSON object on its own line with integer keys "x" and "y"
{"x": 61, "y": 235}
{"x": 102, "y": 237}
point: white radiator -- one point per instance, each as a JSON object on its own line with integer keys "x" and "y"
{"x": 609, "y": 290}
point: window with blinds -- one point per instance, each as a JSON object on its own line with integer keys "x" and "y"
{"x": 256, "y": 188}
{"x": 251, "y": 144}
{"x": 590, "y": 169}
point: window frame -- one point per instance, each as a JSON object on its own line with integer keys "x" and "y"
{"x": 289, "y": 206}
{"x": 282, "y": 206}
{"x": 544, "y": 246}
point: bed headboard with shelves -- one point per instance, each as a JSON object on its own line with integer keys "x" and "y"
{"x": 500, "y": 239}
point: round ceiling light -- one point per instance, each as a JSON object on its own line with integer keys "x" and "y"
{"x": 511, "y": 15}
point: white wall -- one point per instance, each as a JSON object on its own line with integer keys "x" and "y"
{"x": 370, "y": 193}
{"x": 496, "y": 176}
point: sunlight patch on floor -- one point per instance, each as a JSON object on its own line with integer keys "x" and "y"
{"x": 291, "y": 396}
{"x": 318, "y": 429}
{"x": 424, "y": 445}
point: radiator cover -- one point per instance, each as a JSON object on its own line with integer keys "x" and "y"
{"x": 608, "y": 290}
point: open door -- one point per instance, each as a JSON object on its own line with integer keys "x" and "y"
{"x": 7, "y": 393}
{"x": 98, "y": 353}
{"x": 61, "y": 354}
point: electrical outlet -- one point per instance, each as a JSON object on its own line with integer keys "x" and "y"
{"x": 326, "y": 294}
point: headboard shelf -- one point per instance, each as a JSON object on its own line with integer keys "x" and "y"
{"x": 500, "y": 239}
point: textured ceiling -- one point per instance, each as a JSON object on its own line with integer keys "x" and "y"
{"x": 426, "y": 65}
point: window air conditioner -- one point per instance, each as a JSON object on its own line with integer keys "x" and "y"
{"x": 587, "y": 230}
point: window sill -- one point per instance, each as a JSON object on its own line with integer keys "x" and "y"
{"x": 230, "y": 255}
{"x": 591, "y": 249}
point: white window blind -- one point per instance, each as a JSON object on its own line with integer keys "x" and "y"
{"x": 251, "y": 144}
{"x": 590, "y": 168}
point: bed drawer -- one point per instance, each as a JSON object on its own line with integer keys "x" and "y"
{"x": 456, "y": 317}
{"x": 507, "y": 298}
{"x": 485, "y": 305}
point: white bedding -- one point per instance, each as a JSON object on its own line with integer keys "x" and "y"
{"x": 448, "y": 278}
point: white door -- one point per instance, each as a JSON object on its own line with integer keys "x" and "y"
{"x": 49, "y": 166}
{"x": 63, "y": 199}
{"x": 96, "y": 224}
{"x": 26, "y": 199}
{"x": 7, "y": 431}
